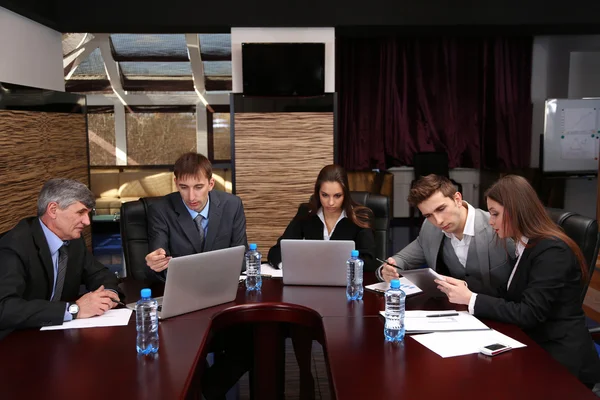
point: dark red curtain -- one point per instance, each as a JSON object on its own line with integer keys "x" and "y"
{"x": 468, "y": 97}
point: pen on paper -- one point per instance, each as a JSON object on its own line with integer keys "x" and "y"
{"x": 442, "y": 315}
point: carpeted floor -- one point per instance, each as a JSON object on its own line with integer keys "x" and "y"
{"x": 292, "y": 377}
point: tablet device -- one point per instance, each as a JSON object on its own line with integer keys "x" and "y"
{"x": 423, "y": 278}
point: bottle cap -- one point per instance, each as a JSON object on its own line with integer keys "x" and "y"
{"x": 146, "y": 293}
{"x": 252, "y": 246}
{"x": 395, "y": 284}
{"x": 354, "y": 253}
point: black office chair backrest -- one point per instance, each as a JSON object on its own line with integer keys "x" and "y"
{"x": 425, "y": 163}
{"x": 380, "y": 205}
{"x": 134, "y": 236}
{"x": 584, "y": 232}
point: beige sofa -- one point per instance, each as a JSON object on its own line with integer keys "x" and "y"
{"x": 113, "y": 187}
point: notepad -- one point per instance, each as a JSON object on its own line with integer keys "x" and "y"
{"x": 407, "y": 287}
{"x": 419, "y": 322}
{"x": 452, "y": 344}
{"x": 118, "y": 317}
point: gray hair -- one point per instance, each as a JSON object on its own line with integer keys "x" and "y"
{"x": 64, "y": 192}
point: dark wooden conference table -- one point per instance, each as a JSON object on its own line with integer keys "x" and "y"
{"x": 101, "y": 363}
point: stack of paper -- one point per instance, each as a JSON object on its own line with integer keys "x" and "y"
{"x": 407, "y": 287}
{"x": 118, "y": 317}
{"x": 451, "y": 344}
{"x": 440, "y": 321}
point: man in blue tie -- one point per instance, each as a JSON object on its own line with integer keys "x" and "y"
{"x": 45, "y": 260}
{"x": 194, "y": 219}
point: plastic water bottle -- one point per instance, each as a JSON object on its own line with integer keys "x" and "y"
{"x": 146, "y": 316}
{"x": 253, "y": 278}
{"x": 354, "y": 276}
{"x": 395, "y": 300}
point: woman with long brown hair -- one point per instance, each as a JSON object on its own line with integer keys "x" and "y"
{"x": 543, "y": 294}
{"x": 331, "y": 214}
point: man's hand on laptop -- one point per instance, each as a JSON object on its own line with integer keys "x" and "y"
{"x": 158, "y": 260}
{"x": 388, "y": 272}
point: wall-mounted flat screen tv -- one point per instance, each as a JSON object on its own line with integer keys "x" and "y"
{"x": 283, "y": 69}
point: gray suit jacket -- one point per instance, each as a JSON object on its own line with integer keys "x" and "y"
{"x": 171, "y": 227}
{"x": 493, "y": 257}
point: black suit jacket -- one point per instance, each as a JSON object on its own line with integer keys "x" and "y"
{"x": 27, "y": 277}
{"x": 311, "y": 227}
{"x": 544, "y": 299}
{"x": 171, "y": 227}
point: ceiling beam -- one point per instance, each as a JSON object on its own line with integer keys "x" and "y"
{"x": 80, "y": 55}
{"x": 193, "y": 46}
{"x": 112, "y": 68}
{"x": 147, "y": 58}
{"x": 155, "y": 85}
{"x": 157, "y": 99}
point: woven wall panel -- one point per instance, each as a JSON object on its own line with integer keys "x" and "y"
{"x": 277, "y": 159}
{"x": 34, "y": 147}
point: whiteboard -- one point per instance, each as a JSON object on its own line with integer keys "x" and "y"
{"x": 571, "y": 135}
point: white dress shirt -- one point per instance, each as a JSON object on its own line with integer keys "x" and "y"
{"x": 521, "y": 244}
{"x": 461, "y": 247}
{"x": 326, "y": 234}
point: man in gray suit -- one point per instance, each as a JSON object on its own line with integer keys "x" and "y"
{"x": 192, "y": 220}
{"x": 455, "y": 240}
{"x": 195, "y": 219}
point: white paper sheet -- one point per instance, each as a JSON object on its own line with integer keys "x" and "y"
{"x": 407, "y": 286}
{"x": 118, "y": 317}
{"x": 452, "y": 344}
{"x": 419, "y": 322}
{"x": 578, "y": 146}
{"x": 267, "y": 269}
{"x": 579, "y": 120}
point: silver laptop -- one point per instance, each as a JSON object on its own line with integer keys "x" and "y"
{"x": 315, "y": 262}
{"x": 200, "y": 281}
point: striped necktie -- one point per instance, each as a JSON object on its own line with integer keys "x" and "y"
{"x": 198, "y": 220}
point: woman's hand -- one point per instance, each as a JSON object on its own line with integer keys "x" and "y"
{"x": 456, "y": 290}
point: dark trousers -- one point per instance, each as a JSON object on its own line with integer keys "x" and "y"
{"x": 233, "y": 352}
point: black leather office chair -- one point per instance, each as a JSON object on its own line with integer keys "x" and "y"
{"x": 380, "y": 205}
{"x": 584, "y": 232}
{"x": 134, "y": 237}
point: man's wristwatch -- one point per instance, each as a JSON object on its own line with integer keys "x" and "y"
{"x": 73, "y": 310}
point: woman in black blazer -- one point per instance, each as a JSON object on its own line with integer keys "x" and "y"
{"x": 331, "y": 214}
{"x": 543, "y": 294}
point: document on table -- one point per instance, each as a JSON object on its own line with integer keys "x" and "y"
{"x": 268, "y": 270}
{"x": 452, "y": 344}
{"x": 440, "y": 321}
{"x": 407, "y": 287}
{"x": 118, "y": 317}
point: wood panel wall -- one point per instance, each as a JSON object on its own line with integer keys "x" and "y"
{"x": 277, "y": 159}
{"x": 35, "y": 147}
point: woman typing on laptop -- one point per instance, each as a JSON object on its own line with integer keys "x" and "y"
{"x": 331, "y": 214}
{"x": 543, "y": 294}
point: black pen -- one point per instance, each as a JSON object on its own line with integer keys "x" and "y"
{"x": 118, "y": 302}
{"x": 385, "y": 262}
{"x": 442, "y": 315}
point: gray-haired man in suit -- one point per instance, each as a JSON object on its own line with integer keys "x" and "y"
{"x": 455, "y": 240}
{"x": 194, "y": 219}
